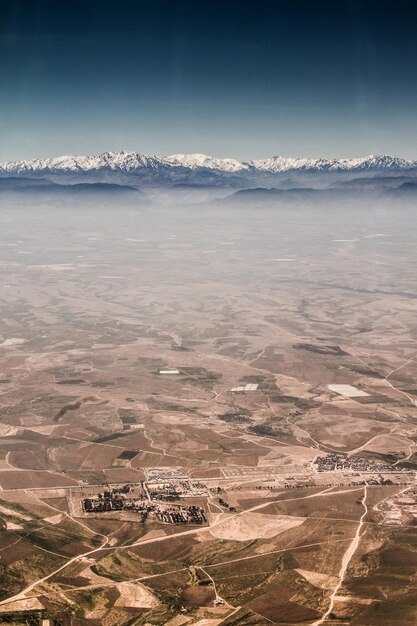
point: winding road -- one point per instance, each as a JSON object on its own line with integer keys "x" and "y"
{"x": 22, "y": 595}
{"x": 347, "y": 557}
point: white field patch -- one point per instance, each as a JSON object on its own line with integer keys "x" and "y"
{"x": 110, "y": 277}
{"x": 135, "y": 596}
{"x": 29, "y": 604}
{"x": 58, "y": 267}
{"x": 248, "y": 387}
{"x": 43, "y": 430}
{"x": 254, "y": 526}
{"x": 13, "y": 341}
{"x": 207, "y": 621}
{"x": 7, "y": 431}
{"x": 55, "y": 519}
{"x": 347, "y": 391}
{"x": 323, "y": 581}
{"x": 13, "y": 526}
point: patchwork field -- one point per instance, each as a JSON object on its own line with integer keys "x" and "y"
{"x": 290, "y": 501}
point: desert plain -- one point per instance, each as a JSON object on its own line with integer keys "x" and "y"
{"x": 291, "y": 501}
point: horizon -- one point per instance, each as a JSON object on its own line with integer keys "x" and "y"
{"x": 211, "y": 156}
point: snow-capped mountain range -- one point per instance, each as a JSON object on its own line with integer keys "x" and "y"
{"x": 193, "y": 168}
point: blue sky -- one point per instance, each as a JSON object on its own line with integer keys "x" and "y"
{"x": 232, "y": 78}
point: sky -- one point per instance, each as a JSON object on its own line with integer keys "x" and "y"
{"x": 236, "y": 78}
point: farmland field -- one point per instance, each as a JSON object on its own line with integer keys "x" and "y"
{"x": 292, "y": 475}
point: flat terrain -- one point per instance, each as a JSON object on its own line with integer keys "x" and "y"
{"x": 308, "y": 488}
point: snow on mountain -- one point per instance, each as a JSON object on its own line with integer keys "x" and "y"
{"x": 282, "y": 164}
{"x": 126, "y": 161}
{"x": 195, "y": 168}
{"x": 195, "y": 161}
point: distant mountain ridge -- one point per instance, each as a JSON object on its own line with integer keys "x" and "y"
{"x": 42, "y": 185}
{"x": 193, "y": 168}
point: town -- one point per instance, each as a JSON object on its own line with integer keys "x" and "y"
{"x": 123, "y": 499}
{"x": 344, "y": 462}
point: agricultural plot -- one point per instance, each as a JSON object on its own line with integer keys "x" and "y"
{"x": 289, "y": 422}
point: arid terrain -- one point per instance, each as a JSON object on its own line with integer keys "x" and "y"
{"x": 130, "y": 496}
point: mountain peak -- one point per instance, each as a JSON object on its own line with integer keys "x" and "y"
{"x": 196, "y": 168}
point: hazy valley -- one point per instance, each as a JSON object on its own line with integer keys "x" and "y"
{"x": 269, "y": 475}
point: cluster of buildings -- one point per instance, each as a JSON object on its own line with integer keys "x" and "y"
{"x": 116, "y": 500}
{"x": 150, "y": 502}
{"x": 165, "y": 474}
{"x": 174, "y": 489}
{"x": 226, "y": 505}
{"x": 182, "y": 515}
{"x": 235, "y": 418}
{"x": 343, "y": 462}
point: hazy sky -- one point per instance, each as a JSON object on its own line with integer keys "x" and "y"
{"x": 232, "y": 78}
